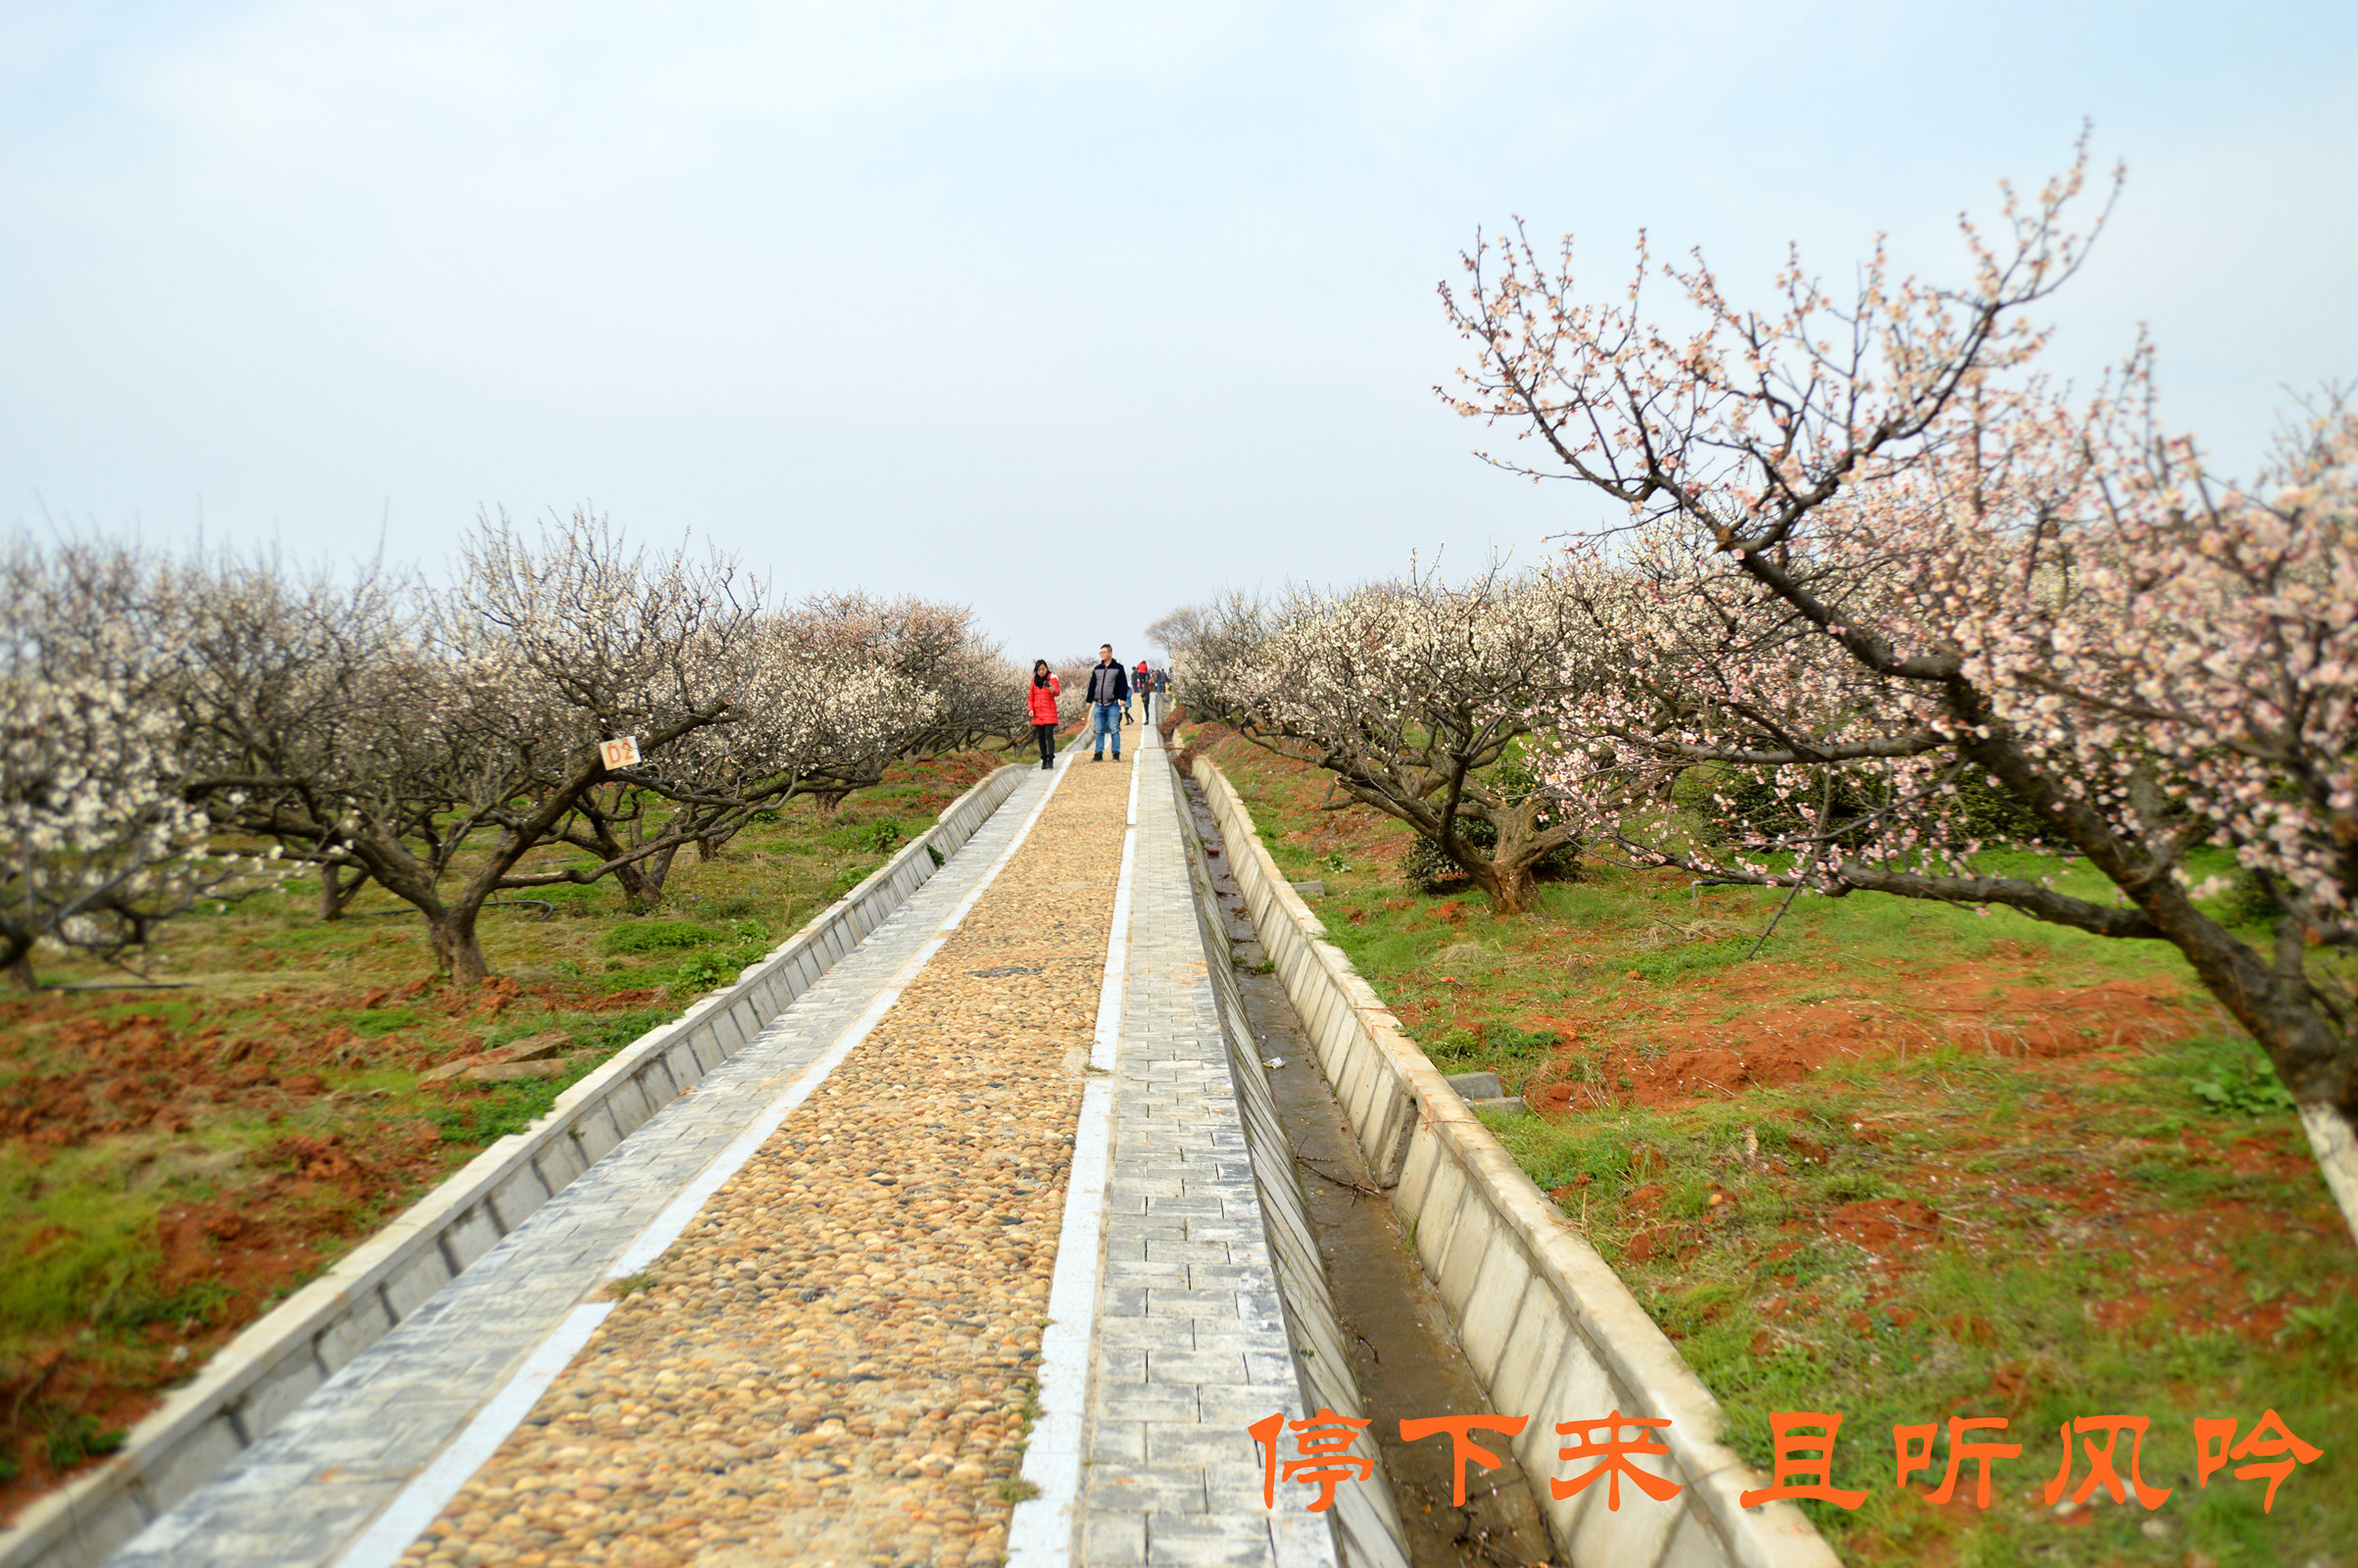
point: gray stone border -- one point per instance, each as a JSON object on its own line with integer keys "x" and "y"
{"x": 255, "y": 1380}
{"x": 1548, "y": 1327}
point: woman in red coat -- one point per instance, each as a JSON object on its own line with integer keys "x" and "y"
{"x": 1043, "y": 699}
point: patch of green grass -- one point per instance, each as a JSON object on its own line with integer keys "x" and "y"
{"x": 198, "y": 1302}
{"x": 1693, "y": 959}
{"x": 380, "y": 1021}
{"x": 1990, "y": 1318}
{"x": 79, "y": 1237}
{"x": 657, "y": 936}
{"x": 2233, "y": 1080}
{"x": 508, "y": 1107}
{"x": 71, "y": 1436}
{"x": 512, "y": 1107}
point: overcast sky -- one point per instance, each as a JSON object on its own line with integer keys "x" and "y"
{"x": 1072, "y": 311}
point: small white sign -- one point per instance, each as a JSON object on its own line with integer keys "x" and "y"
{"x": 622, "y": 753}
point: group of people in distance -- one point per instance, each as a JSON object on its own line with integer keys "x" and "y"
{"x": 1110, "y": 688}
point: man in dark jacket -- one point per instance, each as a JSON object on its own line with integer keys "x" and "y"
{"x": 1108, "y": 692}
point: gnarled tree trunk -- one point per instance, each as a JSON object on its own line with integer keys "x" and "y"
{"x": 458, "y": 955}
{"x": 336, "y": 892}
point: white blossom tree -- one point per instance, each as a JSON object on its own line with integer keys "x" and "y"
{"x": 98, "y": 844}
{"x": 815, "y": 710}
{"x": 1205, "y": 640}
{"x": 1877, "y": 571}
{"x": 1411, "y": 694}
{"x": 427, "y": 741}
{"x": 436, "y": 739}
{"x": 978, "y": 691}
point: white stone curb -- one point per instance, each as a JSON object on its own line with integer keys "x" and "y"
{"x": 1548, "y": 1327}
{"x": 253, "y": 1381}
{"x": 1040, "y": 1532}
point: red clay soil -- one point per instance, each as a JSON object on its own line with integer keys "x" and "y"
{"x": 277, "y": 1215}
{"x": 2180, "y": 1248}
{"x": 1978, "y": 1004}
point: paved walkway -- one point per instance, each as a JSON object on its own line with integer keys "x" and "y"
{"x": 799, "y": 1318}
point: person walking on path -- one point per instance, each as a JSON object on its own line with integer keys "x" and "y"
{"x": 1141, "y": 682}
{"x": 1108, "y": 695}
{"x": 1042, "y": 697}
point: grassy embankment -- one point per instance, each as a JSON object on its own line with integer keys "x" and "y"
{"x": 175, "y": 1162}
{"x": 1909, "y": 1163}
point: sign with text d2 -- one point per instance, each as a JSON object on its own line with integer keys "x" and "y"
{"x": 622, "y": 752}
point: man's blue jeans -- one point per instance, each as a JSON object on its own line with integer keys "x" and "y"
{"x": 1108, "y": 721}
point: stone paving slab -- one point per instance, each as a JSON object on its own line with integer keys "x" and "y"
{"x": 302, "y": 1494}
{"x": 1192, "y": 1343}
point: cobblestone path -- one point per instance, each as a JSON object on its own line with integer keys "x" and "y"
{"x": 832, "y": 1363}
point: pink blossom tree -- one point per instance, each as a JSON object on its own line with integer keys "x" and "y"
{"x": 1878, "y": 573}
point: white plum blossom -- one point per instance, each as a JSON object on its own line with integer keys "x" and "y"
{"x": 99, "y": 845}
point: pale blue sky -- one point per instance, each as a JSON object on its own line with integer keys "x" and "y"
{"x": 1073, "y": 312}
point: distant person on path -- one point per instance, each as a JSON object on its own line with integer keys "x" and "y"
{"x": 1042, "y": 696}
{"x": 1108, "y": 695}
{"x": 1143, "y": 684}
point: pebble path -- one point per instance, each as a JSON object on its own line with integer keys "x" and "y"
{"x": 833, "y": 1365}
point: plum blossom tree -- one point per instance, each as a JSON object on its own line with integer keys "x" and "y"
{"x": 936, "y": 647}
{"x": 815, "y": 710}
{"x": 1879, "y": 575}
{"x": 426, "y": 740}
{"x": 1410, "y": 694}
{"x": 369, "y": 724}
{"x": 1205, "y": 640}
{"x": 98, "y": 844}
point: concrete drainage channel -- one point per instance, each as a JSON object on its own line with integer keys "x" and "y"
{"x": 1546, "y": 1328}
{"x": 1402, "y": 1351}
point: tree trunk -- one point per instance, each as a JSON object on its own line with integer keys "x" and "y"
{"x": 642, "y": 881}
{"x": 2336, "y": 1143}
{"x": 2317, "y": 1060}
{"x": 457, "y": 954}
{"x": 1509, "y": 888}
{"x": 15, "y": 957}
{"x": 334, "y": 895}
